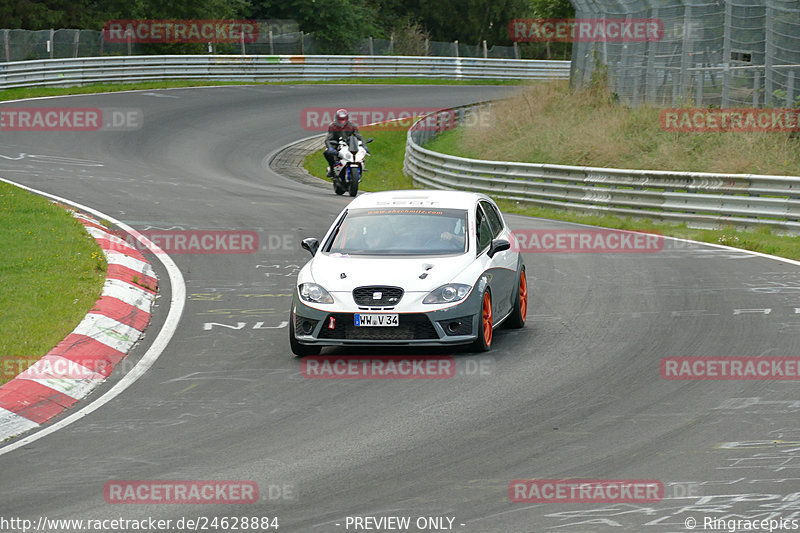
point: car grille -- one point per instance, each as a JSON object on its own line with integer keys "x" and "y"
{"x": 389, "y": 296}
{"x": 413, "y": 326}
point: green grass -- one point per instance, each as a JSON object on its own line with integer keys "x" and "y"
{"x": 32, "y": 92}
{"x": 449, "y": 142}
{"x": 550, "y": 123}
{"x": 389, "y": 150}
{"x": 384, "y": 166}
{"x": 761, "y": 240}
{"x": 51, "y": 273}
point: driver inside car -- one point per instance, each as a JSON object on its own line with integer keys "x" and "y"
{"x": 447, "y": 236}
{"x": 378, "y": 236}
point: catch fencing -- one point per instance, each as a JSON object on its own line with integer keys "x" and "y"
{"x": 725, "y": 53}
{"x": 273, "y": 39}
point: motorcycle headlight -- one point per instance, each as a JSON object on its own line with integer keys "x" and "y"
{"x": 452, "y": 292}
{"x": 311, "y": 292}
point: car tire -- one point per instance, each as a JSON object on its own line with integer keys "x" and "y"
{"x": 485, "y": 325}
{"x": 520, "y": 312}
{"x": 300, "y": 350}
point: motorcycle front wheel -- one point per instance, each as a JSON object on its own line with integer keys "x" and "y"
{"x": 355, "y": 178}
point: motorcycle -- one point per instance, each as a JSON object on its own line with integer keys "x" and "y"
{"x": 350, "y": 165}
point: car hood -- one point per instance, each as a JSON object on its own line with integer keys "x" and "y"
{"x": 327, "y": 270}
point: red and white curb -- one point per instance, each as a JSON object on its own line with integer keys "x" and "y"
{"x": 87, "y": 356}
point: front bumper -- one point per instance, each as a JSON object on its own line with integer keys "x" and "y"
{"x": 457, "y": 324}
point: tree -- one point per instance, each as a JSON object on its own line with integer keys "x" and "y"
{"x": 550, "y": 9}
{"x": 555, "y": 9}
{"x": 409, "y": 38}
{"x": 339, "y": 27}
{"x": 92, "y": 14}
{"x": 472, "y": 21}
{"x": 45, "y": 14}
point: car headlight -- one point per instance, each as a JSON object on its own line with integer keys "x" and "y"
{"x": 311, "y": 292}
{"x": 452, "y": 292}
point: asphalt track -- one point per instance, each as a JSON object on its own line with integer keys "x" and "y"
{"x": 577, "y": 394}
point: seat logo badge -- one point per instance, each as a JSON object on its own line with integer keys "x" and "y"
{"x": 377, "y": 295}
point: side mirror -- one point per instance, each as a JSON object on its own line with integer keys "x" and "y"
{"x": 311, "y": 244}
{"x": 370, "y": 140}
{"x": 498, "y": 245}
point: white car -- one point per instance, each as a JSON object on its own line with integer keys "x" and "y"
{"x": 411, "y": 267}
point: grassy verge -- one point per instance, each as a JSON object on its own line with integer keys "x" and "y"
{"x": 386, "y": 173}
{"x": 548, "y": 123}
{"x": 51, "y": 273}
{"x": 761, "y": 240}
{"x": 32, "y": 92}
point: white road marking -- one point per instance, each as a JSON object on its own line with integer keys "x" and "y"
{"x": 158, "y": 95}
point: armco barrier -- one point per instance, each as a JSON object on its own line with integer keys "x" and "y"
{"x": 80, "y": 71}
{"x": 697, "y": 198}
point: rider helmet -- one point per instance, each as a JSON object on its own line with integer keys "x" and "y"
{"x": 342, "y": 116}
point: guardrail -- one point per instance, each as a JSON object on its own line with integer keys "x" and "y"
{"x": 80, "y": 71}
{"x": 699, "y": 199}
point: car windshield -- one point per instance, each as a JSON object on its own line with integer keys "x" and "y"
{"x": 400, "y": 231}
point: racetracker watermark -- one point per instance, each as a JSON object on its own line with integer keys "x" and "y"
{"x": 70, "y": 119}
{"x": 585, "y": 30}
{"x": 180, "y": 492}
{"x": 742, "y": 120}
{"x": 572, "y": 241}
{"x": 12, "y": 365}
{"x": 384, "y": 367}
{"x": 196, "y": 242}
{"x": 730, "y": 368}
{"x": 394, "y": 118}
{"x": 53, "y": 367}
{"x": 586, "y": 491}
{"x": 180, "y": 31}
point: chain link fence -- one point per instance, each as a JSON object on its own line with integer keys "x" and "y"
{"x": 374, "y": 46}
{"x": 740, "y": 53}
{"x": 22, "y": 45}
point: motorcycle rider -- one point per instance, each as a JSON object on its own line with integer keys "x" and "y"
{"x": 340, "y": 129}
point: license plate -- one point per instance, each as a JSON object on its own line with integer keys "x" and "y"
{"x": 380, "y": 320}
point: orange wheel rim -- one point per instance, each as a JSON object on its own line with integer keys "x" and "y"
{"x": 487, "y": 319}
{"x": 523, "y": 296}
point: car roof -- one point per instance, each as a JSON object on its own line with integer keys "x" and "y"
{"x": 418, "y": 198}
